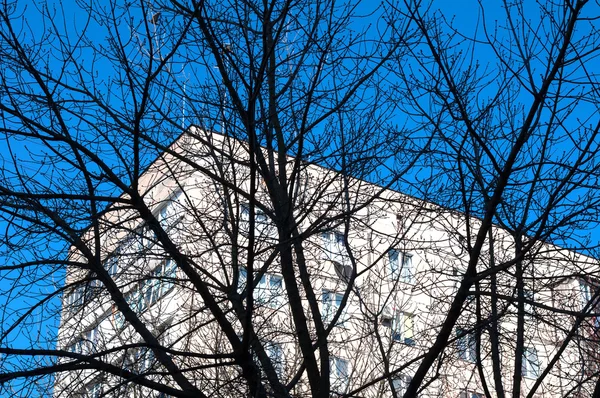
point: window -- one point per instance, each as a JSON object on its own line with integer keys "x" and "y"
{"x": 151, "y": 291}
{"x": 402, "y": 326}
{"x": 394, "y": 259}
{"x": 169, "y": 270}
{"x": 333, "y": 244}
{"x": 259, "y": 216}
{"x": 242, "y": 279}
{"x": 111, "y": 264}
{"x": 78, "y": 295}
{"x": 261, "y": 220}
{"x": 145, "y": 238}
{"x": 470, "y": 394}
{"x": 89, "y": 340}
{"x": 466, "y": 345}
{"x": 94, "y": 390}
{"x": 163, "y": 216}
{"x": 400, "y": 265}
{"x": 530, "y": 366}
{"x": 165, "y": 273}
{"x": 339, "y": 375}
{"x": 118, "y": 318}
{"x": 153, "y": 288}
{"x": 90, "y": 288}
{"x": 76, "y": 347}
{"x": 126, "y": 252}
{"x": 75, "y": 298}
{"x": 139, "y": 360}
{"x": 333, "y": 237}
{"x": 586, "y": 293}
{"x": 135, "y": 299}
{"x": 144, "y": 358}
{"x": 269, "y": 290}
{"x": 170, "y": 212}
{"x": 400, "y": 383}
{"x": 331, "y": 304}
{"x": 275, "y": 353}
{"x": 93, "y": 284}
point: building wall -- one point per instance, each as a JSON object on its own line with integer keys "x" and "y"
{"x": 391, "y": 317}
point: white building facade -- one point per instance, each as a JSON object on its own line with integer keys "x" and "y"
{"x": 379, "y": 268}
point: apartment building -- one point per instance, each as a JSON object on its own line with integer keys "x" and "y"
{"x": 380, "y": 270}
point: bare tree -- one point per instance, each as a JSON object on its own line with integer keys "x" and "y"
{"x": 220, "y": 220}
{"x": 514, "y": 145}
{"x": 198, "y": 199}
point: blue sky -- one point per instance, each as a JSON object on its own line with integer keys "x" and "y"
{"x": 463, "y": 14}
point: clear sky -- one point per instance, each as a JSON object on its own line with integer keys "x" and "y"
{"x": 464, "y": 15}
